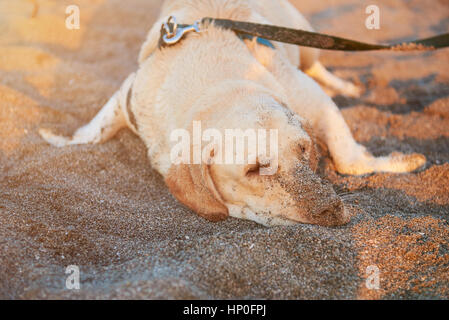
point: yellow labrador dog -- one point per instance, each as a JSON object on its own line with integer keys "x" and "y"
{"x": 224, "y": 82}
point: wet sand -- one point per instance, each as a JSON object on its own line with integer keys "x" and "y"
{"x": 104, "y": 209}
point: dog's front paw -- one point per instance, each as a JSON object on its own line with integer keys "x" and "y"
{"x": 351, "y": 90}
{"x": 51, "y": 138}
{"x": 396, "y": 162}
{"x": 406, "y": 162}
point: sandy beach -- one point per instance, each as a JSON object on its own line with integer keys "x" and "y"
{"x": 104, "y": 209}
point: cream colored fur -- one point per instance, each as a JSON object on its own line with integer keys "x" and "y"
{"x": 225, "y": 83}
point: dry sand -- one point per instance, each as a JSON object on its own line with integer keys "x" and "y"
{"x": 104, "y": 209}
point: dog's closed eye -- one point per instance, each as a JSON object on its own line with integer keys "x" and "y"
{"x": 254, "y": 169}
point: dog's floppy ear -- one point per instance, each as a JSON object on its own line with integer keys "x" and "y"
{"x": 193, "y": 185}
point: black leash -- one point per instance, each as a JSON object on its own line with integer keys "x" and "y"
{"x": 172, "y": 30}
{"x": 323, "y": 41}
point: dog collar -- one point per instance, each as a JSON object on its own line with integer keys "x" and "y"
{"x": 259, "y": 40}
{"x": 172, "y": 33}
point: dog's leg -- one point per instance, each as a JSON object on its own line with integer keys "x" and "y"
{"x": 349, "y": 156}
{"x": 102, "y": 127}
{"x": 309, "y": 56}
{"x": 110, "y": 119}
{"x": 322, "y": 75}
{"x": 308, "y": 100}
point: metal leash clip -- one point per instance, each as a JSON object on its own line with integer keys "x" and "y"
{"x": 172, "y": 36}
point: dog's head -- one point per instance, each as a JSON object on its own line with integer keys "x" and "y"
{"x": 274, "y": 186}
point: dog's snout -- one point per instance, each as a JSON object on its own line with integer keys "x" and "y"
{"x": 334, "y": 214}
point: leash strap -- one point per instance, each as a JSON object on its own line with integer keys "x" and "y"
{"x": 323, "y": 41}
{"x": 171, "y": 32}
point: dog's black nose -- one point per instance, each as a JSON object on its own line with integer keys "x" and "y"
{"x": 334, "y": 214}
